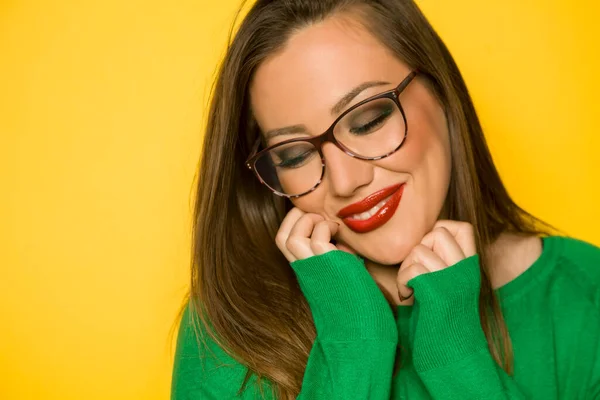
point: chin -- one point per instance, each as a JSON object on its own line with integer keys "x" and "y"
{"x": 391, "y": 243}
{"x": 389, "y": 250}
{"x": 385, "y": 259}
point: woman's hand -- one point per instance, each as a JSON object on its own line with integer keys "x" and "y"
{"x": 303, "y": 235}
{"x": 447, "y": 244}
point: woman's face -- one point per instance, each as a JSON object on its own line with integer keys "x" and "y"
{"x": 300, "y": 85}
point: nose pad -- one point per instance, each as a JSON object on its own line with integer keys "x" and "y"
{"x": 344, "y": 173}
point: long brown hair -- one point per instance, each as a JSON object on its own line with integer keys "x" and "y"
{"x": 242, "y": 286}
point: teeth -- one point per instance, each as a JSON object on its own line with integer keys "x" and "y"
{"x": 368, "y": 214}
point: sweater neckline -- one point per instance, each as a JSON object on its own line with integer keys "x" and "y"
{"x": 533, "y": 274}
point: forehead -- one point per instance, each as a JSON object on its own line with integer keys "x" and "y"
{"x": 319, "y": 65}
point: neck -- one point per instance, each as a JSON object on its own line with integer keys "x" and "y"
{"x": 509, "y": 256}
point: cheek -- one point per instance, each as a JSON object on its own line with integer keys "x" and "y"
{"x": 426, "y": 146}
{"x": 312, "y": 202}
{"x": 428, "y": 141}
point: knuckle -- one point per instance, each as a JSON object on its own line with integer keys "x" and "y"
{"x": 296, "y": 212}
{"x": 467, "y": 226}
{"x": 412, "y": 271}
{"x": 442, "y": 222}
{"x": 319, "y": 227}
{"x": 319, "y": 247}
{"x": 292, "y": 242}
{"x": 410, "y": 258}
{"x": 419, "y": 250}
{"x": 416, "y": 270}
{"x": 441, "y": 233}
{"x": 303, "y": 218}
{"x": 441, "y": 230}
{"x": 429, "y": 235}
{"x": 280, "y": 239}
{"x": 321, "y": 223}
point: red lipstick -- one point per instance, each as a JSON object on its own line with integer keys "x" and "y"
{"x": 383, "y": 215}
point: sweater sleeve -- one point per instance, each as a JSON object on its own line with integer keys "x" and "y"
{"x": 354, "y": 351}
{"x": 352, "y": 356}
{"x": 450, "y": 354}
{"x": 202, "y": 370}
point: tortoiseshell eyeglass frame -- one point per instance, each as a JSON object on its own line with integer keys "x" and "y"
{"x": 328, "y": 136}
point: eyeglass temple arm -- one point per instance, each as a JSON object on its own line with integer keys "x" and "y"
{"x": 406, "y": 81}
{"x": 253, "y": 152}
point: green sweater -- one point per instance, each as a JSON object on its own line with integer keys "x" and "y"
{"x": 552, "y": 311}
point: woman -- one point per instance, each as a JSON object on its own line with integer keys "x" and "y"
{"x": 353, "y": 239}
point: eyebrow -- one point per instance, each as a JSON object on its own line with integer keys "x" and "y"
{"x": 348, "y": 97}
{"x": 288, "y": 130}
{"x": 335, "y": 110}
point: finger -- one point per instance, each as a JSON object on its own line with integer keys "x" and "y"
{"x": 405, "y": 298}
{"x": 320, "y": 241}
{"x": 423, "y": 255}
{"x": 463, "y": 232}
{"x": 289, "y": 221}
{"x": 299, "y": 247}
{"x": 405, "y": 275}
{"x": 298, "y": 243}
{"x": 284, "y": 232}
{"x": 305, "y": 225}
{"x": 442, "y": 243}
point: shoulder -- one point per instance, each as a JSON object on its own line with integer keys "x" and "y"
{"x": 202, "y": 368}
{"x": 563, "y": 265}
{"x": 582, "y": 257}
{"x": 511, "y": 255}
{"x": 576, "y": 249}
{"x": 579, "y": 263}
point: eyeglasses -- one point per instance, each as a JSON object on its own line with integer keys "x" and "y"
{"x": 371, "y": 130}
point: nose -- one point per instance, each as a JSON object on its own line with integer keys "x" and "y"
{"x": 344, "y": 173}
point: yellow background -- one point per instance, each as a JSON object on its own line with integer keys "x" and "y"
{"x": 101, "y": 108}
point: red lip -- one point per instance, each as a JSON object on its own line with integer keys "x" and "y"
{"x": 381, "y": 217}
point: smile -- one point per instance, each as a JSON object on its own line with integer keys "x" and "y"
{"x": 368, "y": 214}
{"x": 373, "y": 211}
